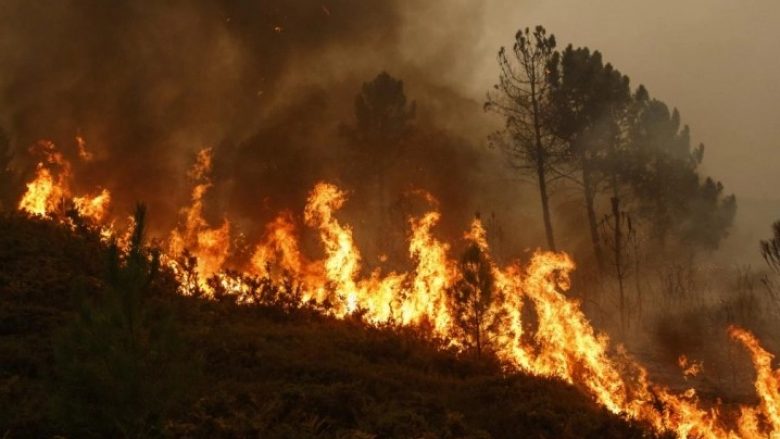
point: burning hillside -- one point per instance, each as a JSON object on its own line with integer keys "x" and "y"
{"x": 518, "y": 205}
{"x": 519, "y": 313}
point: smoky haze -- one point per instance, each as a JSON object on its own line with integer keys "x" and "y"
{"x": 267, "y": 84}
{"x": 713, "y": 60}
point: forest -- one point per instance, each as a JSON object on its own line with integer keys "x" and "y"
{"x": 261, "y": 219}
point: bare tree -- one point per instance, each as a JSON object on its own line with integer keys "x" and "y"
{"x": 521, "y": 96}
{"x": 618, "y": 234}
{"x": 770, "y": 249}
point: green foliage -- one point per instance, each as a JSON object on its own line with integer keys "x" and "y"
{"x": 120, "y": 366}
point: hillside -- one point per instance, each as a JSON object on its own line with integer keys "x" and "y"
{"x": 253, "y": 371}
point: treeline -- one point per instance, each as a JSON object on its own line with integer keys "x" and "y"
{"x": 573, "y": 120}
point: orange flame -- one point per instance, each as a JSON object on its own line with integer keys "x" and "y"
{"x": 94, "y": 208}
{"x": 43, "y": 194}
{"x": 562, "y": 344}
{"x": 689, "y": 367}
{"x": 767, "y": 385}
{"x": 50, "y": 190}
{"x": 210, "y": 246}
{"x": 278, "y": 254}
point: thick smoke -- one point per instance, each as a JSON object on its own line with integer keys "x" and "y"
{"x": 266, "y": 84}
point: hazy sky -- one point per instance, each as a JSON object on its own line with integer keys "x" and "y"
{"x": 715, "y": 60}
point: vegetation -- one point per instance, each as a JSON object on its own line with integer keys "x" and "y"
{"x": 120, "y": 364}
{"x": 106, "y": 349}
{"x": 472, "y": 296}
{"x": 377, "y": 140}
{"x": 522, "y": 96}
{"x": 770, "y": 249}
{"x": 569, "y": 114}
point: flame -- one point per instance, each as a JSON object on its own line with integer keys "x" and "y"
{"x": 43, "y": 194}
{"x": 94, "y": 208}
{"x": 689, "y": 367}
{"x": 560, "y": 343}
{"x": 433, "y": 274}
{"x": 767, "y": 385}
{"x": 84, "y": 154}
{"x": 49, "y": 192}
{"x": 210, "y": 246}
{"x": 278, "y": 254}
{"x": 343, "y": 259}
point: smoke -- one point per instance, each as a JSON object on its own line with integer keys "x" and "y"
{"x": 267, "y": 85}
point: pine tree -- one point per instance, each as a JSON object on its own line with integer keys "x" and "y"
{"x": 120, "y": 364}
{"x": 472, "y": 298}
{"x": 522, "y": 97}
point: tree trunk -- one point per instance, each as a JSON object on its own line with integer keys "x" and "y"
{"x": 541, "y": 161}
{"x": 548, "y": 230}
{"x": 619, "y": 258}
{"x": 478, "y": 332}
{"x": 380, "y": 227}
{"x": 638, "y": 283}
{"x": 590, "y": 196}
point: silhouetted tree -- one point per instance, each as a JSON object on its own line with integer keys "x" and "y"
{"x": 668, "y": 191}
{"x": 770, "y": 249}
{"x": 521, "y": 96}
{"x": 383, "y": 121}
{"x": 382, "y": 112}
{"x": 635, "y": 148}
{"x": 472, "y": 297}
{"x": 617, "y": 230}
{"x": 590, "y": 101}
{"x": 119, "y": 366}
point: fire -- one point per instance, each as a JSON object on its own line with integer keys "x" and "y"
{"x": 434, "y": 273}
{"x": 767, "y": 385}
{"x": 343, "y": 259}
{"x": 689, "y": 368}
{"x": 210, "y": 246}
{"x": 43, "y": 194}
{"x": 278, "y": 254}
{"x": 50, "y": 192}
{"x": 94, "y": 208}
{"x": 84, "y": 154}
{"x": 562, "y": 343}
